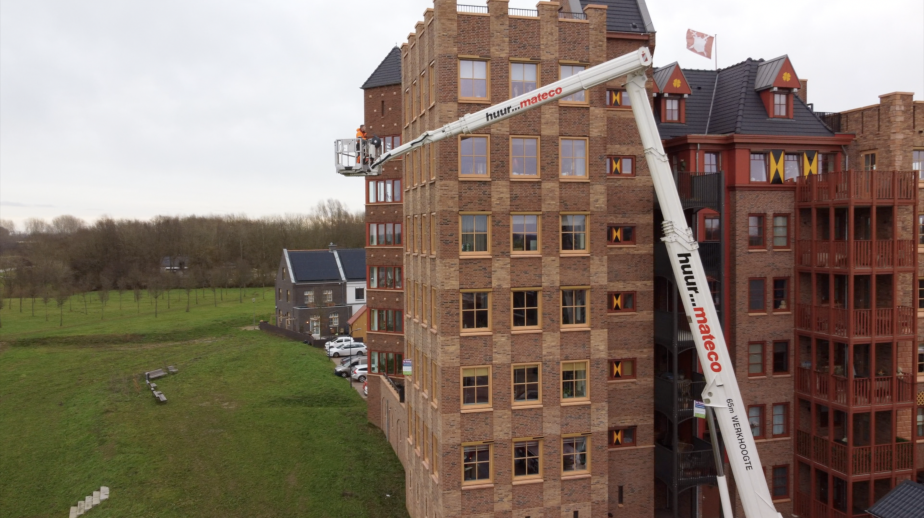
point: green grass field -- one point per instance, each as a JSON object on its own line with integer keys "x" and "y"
{"x": 255, "y": 425}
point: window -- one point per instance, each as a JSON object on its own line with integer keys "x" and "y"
{"x": 424, "y": 91}
{"x": 474, "y": 233}
{"x": 476, "y": 386}
{"x": 756, "y": 296}
{"x": 314, "y": 325}
{"x": 780, "y": 357}
{"x": 618, "y": 99}
{"x": 476, "y": 464}
{"x": 780, "y": 482}
{"x": 527, "y": 459}
{"x": 287, "y": 295}
{"x": 574, "y": 233}
{"x": 780, "y": 104}
{"x": 574, "y": 307}
{"x": 781, "y": 295}
{"x": 279, "y": 294}
{"x": 827, "y": 162}
{"x": 756, "y": 359}
{"x": 756, "y": 231}
{"x": 756, "y": 420}
{"x": 620, "y": 166}
{"x": 526, "y": 309}
{"x": 710, "y": 163}
{"x": 671, "y": 110}
{"x": 386, "y": 363}
{"x": 433, "y": 228}
{"x": 391, "y": 141}
{"x": 385, "y": 277}
{"x": 524, "y": 156}
{"x": 425, "y": 234}
{"x": 432, "y": 84}
{"x": 568, "y": 71}
{"x": 758, "y": 167}
{"x": 792, "y": 167}
{"x": 917, "y": 162}
{"x": 359, "y": 294}
{"x": 384, "y": 234}
{"x": 621, "y": 302}
{"x": 620, "y": 235}
{"x": 476, "y": 313}
{"x": 574, "y": 384}
{"x": 711, "y": 230}
{"x": 869, "y": 162}
{"x": 622, "y": 369}
{"x": 781, "y": 232}
{"x": 920, "y": 358}
{"x": 473, "y": 79}
{"x": 573, "y": 156}
{"x": 920, "y": 422}
{"x": 328, "y": 296}
{"x": 921, "y": 229}
{"x": 780, "y": 419}
{"x": 309, "y": 297}
{"x": 920, "y": 293}
{"x": 334, "y": 320}
{"x": 473, "y": 156}
{"x": 621, "y": 437}
{"x": 522, "y": 78}
{"x": 526, "y": 384}
{"x": 574, "y": 454}
{"x": 386, "y": 320}
{"x": 433, "y": 307}
{"x": 524, "y": 229}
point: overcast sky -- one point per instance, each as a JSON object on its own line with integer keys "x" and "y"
{"x": 136, "y": 108}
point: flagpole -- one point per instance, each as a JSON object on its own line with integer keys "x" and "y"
{"x": 715, "y": 45}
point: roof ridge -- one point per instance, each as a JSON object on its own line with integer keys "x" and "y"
{"x": 741, "y": 96}
{"x": 394, "y": 53}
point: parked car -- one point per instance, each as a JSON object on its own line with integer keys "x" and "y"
{"x": 359, "y": 373}
{"x": 366, "y": 388}
{"x": 347, "y": 364}
{"x": 340, "y": 340}
{"x": 348, "y": 350}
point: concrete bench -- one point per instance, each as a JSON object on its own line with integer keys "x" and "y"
{"x": 172, "y": 370}
{"x": 153, "y": 375}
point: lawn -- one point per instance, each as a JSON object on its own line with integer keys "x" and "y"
{"x": 255, "y": 425}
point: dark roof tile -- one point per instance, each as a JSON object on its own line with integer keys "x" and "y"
{"x": 625, "y": 15}
{"x": 905, "y": 501}
{"x": 387, "y": 73}
{"x": 353, "y": 261}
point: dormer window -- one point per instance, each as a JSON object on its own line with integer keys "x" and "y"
{"x": 780, "y": 104}
{"x": 672, "y": 110}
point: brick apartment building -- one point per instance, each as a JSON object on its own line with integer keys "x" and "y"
{"x": 553, "y": 374}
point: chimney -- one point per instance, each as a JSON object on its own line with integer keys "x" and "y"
{"x": 331, "y": 247}
{"x": 803, "y": 92}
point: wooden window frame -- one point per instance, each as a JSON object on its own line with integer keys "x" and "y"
{"x": 786, "y": 420}
{"x": 766, "y": 168}
{"x": 622, "y": 174}
{"x": 773, "y": 358}
{"x": 525, "y": 177}
{"x": 611, "y": 369}
{"x": 632, "y": 242}
{"x": 432, "y": 155}
{"x": 587, "y": 451}
{"x": 706, "y": 230}
{"x": 398, "y": 319}
{"x": 867, "y": 162}
{"x": 397, "y": 276}
{"x": 392, "y": 139}
{"x": 433, "y": 240}
{"x": 536, "y": 64}
{"x": 416, "y": 244}
{"x": 424, "y": 91}
{"x": 478, "y": 482}
{"x": 425, "y": 234}
{"x": 611, "y": 437}
{"x": 773, "y": 485}
{"x": 717, "y": 165}
{"x": 625, "y": 94}
{"x": 761, "y": 428}
{"x": 562, "y": 381}
{"x": 586, "y": 323}
{"x": 475, "y": 330}
{"x": 582, "y": 251}
{"x": 475, "y": 176}
{"x": 513, "y": 385}
{"x": 475, "y": 406}
{"x": 763, "y": 360}
{"x": 309, "y": 297}
{"x": 434, "y": 382}
{"x": 432, "y": 84}
{"x": 785, "y": 299}
{"x": 786, "y": 104}
{"x": 407, "y": 109}
{"x": 408, "y": 243}
{"x": 482, "y": 254}
{"x": 519, "y": 329}
{"x": 372, "y": 185}
{"x": 763, "y": 232}
{"x": 434, "y": 306}
{"x": 487, "y": 80}
{"x": 527, "y": 253}
{"x": 574, "y": 178}
{"x": 788, "y": 245}
{"x": 539, "y": 457}
{"x": 570, "y": 102}
{"x": 397, "y": 234}
{"x": 665, "y": 111}
{"x": 609, "y": 302}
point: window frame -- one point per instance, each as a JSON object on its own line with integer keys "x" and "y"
{"x": 475, "y": 253}
{"x": 706, "y": 230}
{"x": 786, "y": 420}
{"x": 788, "y": 245}
{"x": 479, "y": 444}
{"x": 527, "y": 253}
{"x": 706, "y": 164}
{"x": 515, "y": 329}
{"x": 568, "y": 101}
{"x": 539, "y": 457}
{"x": 622, "y": 174}
{"x": 474, "y": 176}
{"x": 487, "y": 80}
{"x": 475, "y": 330}
{"x": 463, "y": 406}
{"x": 525, "y": 177}
{"x": 622, "y": 93}
{"x": 372, "y": 186}
{"x": 632, "y": 242}
{"x": 432, "y": 80}
{"x": 869, "y": 159}
{"x": 773, "y": 353}
{"x": 513, "y": 385}
{"x": 397, "y": 234}
{"x": 575, "y": 177}
{"x": 786, "y": 296}
{"x": 582, "y": 251}
{"x": 433, "y": 239}
{"x": 610, "y": 304}
{"x": 611, "y": 369}
{"x": 561, "y": 382}
{"x": 762, "y": 421}
{"x": 611, "y": 436}
{"x": 762, "y": 235}
{"x": 776, "y": 96}
{"x": 586, "y": 306}
{"x": 766, "y": 173}
{"x": 773, "y": 484}
{"x": 763, "y": 359}
{"x": 667, "y": 110}
{"x": 587, "y": 449}
{"x": 538, "y": 80}
{"x": 397, "y": 319}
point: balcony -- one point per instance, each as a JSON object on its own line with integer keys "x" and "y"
{"x": 664, "y": 331}
{"x": 862, "y": 186}
{"x": 695, "y": 465}
{"x": 700, "y": 191}
{"x": 675, "y": 397}
{"x": 846, "y": 323}
{"x": 880, "y": 390}
{"x": 855, "y": 460}
{"x": 898, "y": 253}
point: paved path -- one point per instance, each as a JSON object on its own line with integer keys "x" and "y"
{"x": 356, "y": 385}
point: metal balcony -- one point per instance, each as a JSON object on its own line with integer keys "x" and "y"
{"x": 700, "y": 191}
{"x": 674, "y": 398}
{"x": 692, "y": 465}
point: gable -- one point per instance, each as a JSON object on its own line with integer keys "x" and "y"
{"x": 670, "y": 79}
{"x": 776, "y": 73}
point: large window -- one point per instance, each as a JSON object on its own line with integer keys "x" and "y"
{"x": 384, "y": 234}
{"x": 756, "y": 231}
{"x": 386, "y": 363}
{"x": 573, "y": 156}
{"x": 621, "y": 166}
{"x": 780, "y": 357}
{"x": 524, "y": 230}
{"x": 780, "y": 232}
{"x": 780, "y": 420}
{"x": 780, "y": 104}
{"x": 527, "y": 459}
{"x": 758, "y": 167}
{"x": 568, "y": 71}
{"x": 391, "y": 141}
{"x": 522, "y": 78}
{"x": 620, "y": 235}
{"x": 710, "y": 163}
{"x": 792, "y": 167}
{"x": 386, "y": 321}
{"x": 574, "y": 233}
{"x": 574, "y": 454}
{"x": 385, "y": 277}
{"x": 526, "y": 309}
{"x": 620, "y": 302}
{"x": 473, "y": 79}
{"x": 524, "y": 157}
{"x": 476, "y": 387}
{"x": 756, "y": 420}
{"x": 384, "y": 191}
{"x": 476, "y": 312}
{"x": 621, "y": 437}
{"x": 476, "y": 464}
{"x": 780, "y": 482}
{"x": 574, "y": 381}
{"x": 526, "y": 384}
{"x": 756, "y": 359}
{"x": 781, "y": 295}
{"x": 473, "y": 156}
{"x": 574, "y": 307}
{"x": 474, "y": 233}
{"x": 869, "y": 162}
{"x": 757, "y": 296}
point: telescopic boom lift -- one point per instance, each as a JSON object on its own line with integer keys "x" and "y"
{"x": 721, "y": 394}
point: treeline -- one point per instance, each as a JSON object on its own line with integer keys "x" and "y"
{"x": 53, "y": 260}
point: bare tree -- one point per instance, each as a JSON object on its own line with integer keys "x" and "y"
{"x": 8, "y": 225}
{"x": 105, "y": 285}
{"x": 155, "y": 287}
{"x": 243, "y": 274}
{"x": 62, "y": 294}
{"x": 66, "y": 224}
{"x": 35, "y": 226}
{"x": 121, "y": 285}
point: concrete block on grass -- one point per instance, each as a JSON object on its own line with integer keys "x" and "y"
{"x": 104, "y": 493}
{"x": 88, "y": 503}
{"x": 96, "y": 498}
{"x": 80, "y": 508}
{"x": 73, "y": 513}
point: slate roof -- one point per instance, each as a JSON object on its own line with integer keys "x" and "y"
{"x": 737, "y": 107}
{"x": 905, "y": 501}
{"x": 387, "y": 73}
{"x": 625, "y": 15}
{"x": 767, "y": 72}
{"x": 662, "y": 74}
{"x": 321, "y": 266}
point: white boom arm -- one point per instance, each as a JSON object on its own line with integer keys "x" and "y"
{"x": 721, "y": 391}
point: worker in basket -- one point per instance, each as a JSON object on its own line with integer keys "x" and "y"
{"x": 363, "y": 140}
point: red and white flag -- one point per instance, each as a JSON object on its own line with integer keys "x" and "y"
{"x": 700, "y": 43}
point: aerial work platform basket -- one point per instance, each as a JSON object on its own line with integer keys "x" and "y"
{"x": 354, "y": 156}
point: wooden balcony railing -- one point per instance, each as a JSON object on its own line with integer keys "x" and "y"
{"x": 881, "y": 390}
{"x": 860, "y": 460}
{"x": 882, "y": 253}
{"x": 866, "y": 322}
{"x": 857, "y": 186}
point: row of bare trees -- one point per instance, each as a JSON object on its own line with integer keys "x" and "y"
{"x": 66, "y": 257}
